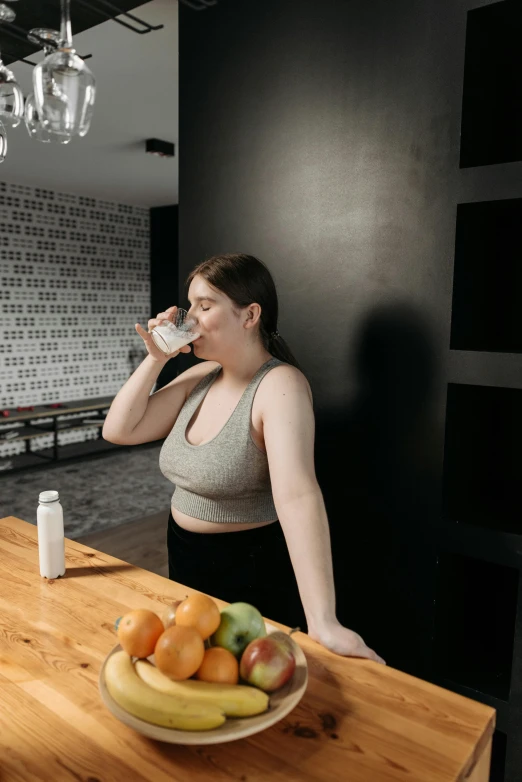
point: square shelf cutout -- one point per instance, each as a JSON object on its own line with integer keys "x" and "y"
{"x": 487, "y": 277}
{"x": 475, "y": 612}
{"x": 483, "y": 457}
{"x": 491, "y": 130}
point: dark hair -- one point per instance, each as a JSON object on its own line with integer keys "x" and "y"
{"x": 246, "y": 280}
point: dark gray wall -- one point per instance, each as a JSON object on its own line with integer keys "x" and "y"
{"x": 164, "y": 272}
{"x": 323, "y": 137}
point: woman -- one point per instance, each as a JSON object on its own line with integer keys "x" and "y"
{"x": 247, "y": 512}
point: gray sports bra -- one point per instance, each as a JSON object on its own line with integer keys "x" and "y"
{"x": 226, "y": 479}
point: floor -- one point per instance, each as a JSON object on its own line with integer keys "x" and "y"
{"x": 116, "y": 502}
{"x": 142, "y": 542}
{"x": 97, "y": 494}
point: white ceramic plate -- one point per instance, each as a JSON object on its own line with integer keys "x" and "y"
{"x": 281, "y": 703}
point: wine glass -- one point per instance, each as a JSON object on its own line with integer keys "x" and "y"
{"x": 3, "y": 143}
{"x": 64, "y": 87}
{"x": 11, "y": 96}
{"x": 36, "y": 129}
{"x": 51, "y": 39}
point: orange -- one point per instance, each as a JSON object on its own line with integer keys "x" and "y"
{"x": 219, "y": 665}
{"x": 138, "y": 632}
{"x": 201, "y": 613}
{"x": 179, "y": 652}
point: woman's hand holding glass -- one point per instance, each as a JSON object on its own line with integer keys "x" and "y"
{"x": 171, "y": 315}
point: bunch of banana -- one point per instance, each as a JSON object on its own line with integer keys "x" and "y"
{"x": 142, "y": 690}
{"x": 234, "y": 700}
{"x": 136, "y": 697}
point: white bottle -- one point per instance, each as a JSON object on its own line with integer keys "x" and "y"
{"x": 51, "y": 540}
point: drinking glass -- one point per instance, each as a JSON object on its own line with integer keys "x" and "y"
{"x": 169, "y": 336}
{"x": 64, "y": 87}
{"x": 11, "y": 96}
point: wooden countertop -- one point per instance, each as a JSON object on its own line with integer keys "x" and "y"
{"x": 358, "y": 721}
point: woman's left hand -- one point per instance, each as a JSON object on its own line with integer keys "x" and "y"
{"x": 345, "y": 642}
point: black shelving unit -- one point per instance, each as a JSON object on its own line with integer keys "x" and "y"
{"x": 477, "y": 631}
{"x": 30, "y": 425}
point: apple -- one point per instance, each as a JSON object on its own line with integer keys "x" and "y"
{"x": 268, "y": 663}
{"x": 240, "y": 624}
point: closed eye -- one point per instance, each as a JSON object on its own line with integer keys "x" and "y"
{"x": 205, "y": 309}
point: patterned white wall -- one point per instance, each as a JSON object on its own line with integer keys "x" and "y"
{"x": 74, "y": 279}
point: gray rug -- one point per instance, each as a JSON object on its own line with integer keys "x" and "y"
{"x": 96, "y": 494}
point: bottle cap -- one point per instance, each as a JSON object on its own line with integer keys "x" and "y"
{"x": 48, "y": 496}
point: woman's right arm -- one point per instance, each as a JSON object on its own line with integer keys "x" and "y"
{"x": 136, "y": 416}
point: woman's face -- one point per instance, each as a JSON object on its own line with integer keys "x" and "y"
{"x": 219, "y": 323}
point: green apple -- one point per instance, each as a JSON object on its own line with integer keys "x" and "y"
{"x": 240, "y": 624}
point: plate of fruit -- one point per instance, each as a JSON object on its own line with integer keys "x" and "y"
{"x": 199, "y": 675}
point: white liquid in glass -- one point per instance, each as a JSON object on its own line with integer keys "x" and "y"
{"x": 169, "y": 339}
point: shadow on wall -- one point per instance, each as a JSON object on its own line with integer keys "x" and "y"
{"x": 374, "y": 461}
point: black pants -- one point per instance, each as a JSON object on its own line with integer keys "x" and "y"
{"x": 250, "y": 566}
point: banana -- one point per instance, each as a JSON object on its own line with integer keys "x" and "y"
{"x": 136, "y": 697}
{"x": 235, "y": 700}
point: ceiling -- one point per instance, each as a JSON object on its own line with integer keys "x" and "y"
{"x": 137, "y": 98}
{"x": 46, "y": 13}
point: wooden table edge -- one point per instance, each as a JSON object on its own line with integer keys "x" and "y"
{"x": 477, "y": 769}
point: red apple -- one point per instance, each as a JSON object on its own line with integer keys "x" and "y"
{"x": 268, "y": 662}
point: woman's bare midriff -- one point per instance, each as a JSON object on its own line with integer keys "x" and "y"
{"x": 197, "y": 525}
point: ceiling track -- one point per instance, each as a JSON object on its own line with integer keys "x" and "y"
{"x": 22, "y": 35}
{"x": 110, "y": 11}
{"x": 107, "y": 11}
{"x": 198, "y": 5}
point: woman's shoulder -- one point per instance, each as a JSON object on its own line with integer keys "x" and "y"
{"x": 285, "y": 379}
